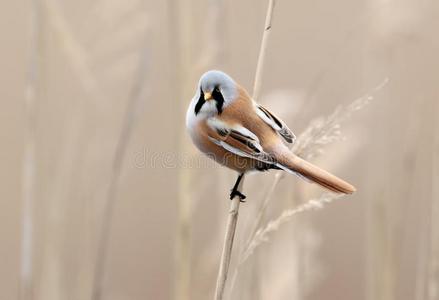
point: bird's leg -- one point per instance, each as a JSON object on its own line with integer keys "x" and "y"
{"x": 234, "y": 192}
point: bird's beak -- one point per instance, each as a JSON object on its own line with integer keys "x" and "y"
{"x": 208, "y": 96}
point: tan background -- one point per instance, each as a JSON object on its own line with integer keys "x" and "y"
{"x": 378, "y": 244}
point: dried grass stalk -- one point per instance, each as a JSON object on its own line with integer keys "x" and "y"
{"x": 29, "y": 157}
{"x": 262, "y": 52}
{"x": 433, "y": 266}
{"x": 133, "y": 107}
{"x": 234, "y": 206}
{"x": 181, "y": 46}
{"x": 262, "y": 235}
{"x": 324, "y": 131}
{"x": 78, "y": 56}
{"x": 227, "y": 246}
{"x": 321, "y": 132}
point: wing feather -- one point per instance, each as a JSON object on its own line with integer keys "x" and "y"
{"x": 275, "y": 123}
{"x": 240, "y": 141}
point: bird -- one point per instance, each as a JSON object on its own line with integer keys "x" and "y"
{"x": 227, "y": 125}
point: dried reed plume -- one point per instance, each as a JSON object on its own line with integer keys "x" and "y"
{"x": 320, "y": 133}
{"x": 234, "y": 206}
{"x": 263, "y": 234}
{"x": 324, "y": 131}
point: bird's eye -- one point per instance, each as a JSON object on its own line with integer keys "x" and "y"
{"x": 217, "y": 89}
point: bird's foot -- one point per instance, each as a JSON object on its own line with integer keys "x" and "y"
{"x": 235, "y": 193}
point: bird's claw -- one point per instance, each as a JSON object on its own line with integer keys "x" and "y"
{"x": 235, "y": 193}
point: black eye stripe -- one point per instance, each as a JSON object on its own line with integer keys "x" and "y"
{"x": 200, "y": 102}
{"x": 216, "y": 94}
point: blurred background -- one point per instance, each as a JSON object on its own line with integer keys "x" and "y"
{"x": 104, "y": 197}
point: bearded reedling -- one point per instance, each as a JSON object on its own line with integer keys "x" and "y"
{"x": 225, "y": 123}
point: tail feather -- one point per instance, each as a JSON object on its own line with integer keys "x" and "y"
{"x": 323, "y": 178}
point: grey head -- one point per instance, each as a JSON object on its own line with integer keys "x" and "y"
{"x": 215, "y": 91}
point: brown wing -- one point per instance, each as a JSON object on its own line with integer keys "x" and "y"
{"x": 242, "y": 142}
{"x": 275, "y": 123}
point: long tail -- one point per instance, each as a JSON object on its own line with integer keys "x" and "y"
{"x": 297, "y": 165}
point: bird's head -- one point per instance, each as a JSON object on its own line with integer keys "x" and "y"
{"x": 215, "y": 91}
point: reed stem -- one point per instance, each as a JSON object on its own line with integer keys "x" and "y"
{"x": 234, "y": 206}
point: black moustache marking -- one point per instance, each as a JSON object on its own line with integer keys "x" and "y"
{"x": 217, "y": 97}
{"x": 216, "y": 94}
{"x": 200, "y": 102}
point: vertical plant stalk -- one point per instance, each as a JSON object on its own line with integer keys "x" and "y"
{"x": 433, "y": 266}
{"x": 234, "y": 206}
{"x": 426, "y": 225}
{"x": 308, "y": 144}
{"x": 29, "y": 157}
{"x": 227, "y": 246}
{"x": 78, "y": 57}
{"x": 181, "y": 47}
{"x": 262, "y": 52}
{"x": 180, "y": 40}
{"x": 133, "y": 107}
